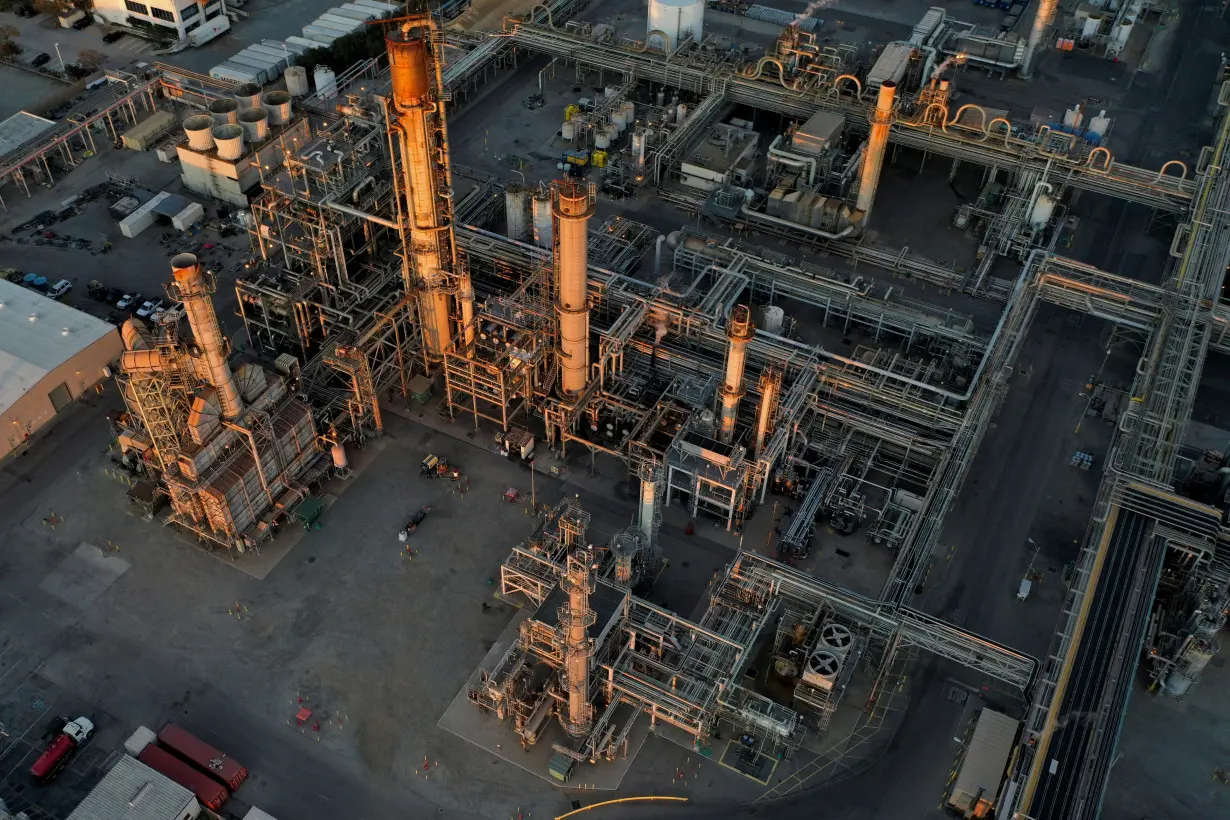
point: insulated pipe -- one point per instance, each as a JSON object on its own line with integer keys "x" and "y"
{"x": 419, "y": 123}
{"x": 793, "y": 160}
{"x": 1042, "y": 22}
{"x": 657, "y": 255}
{"x": 648, "y": 503}
{"x": 572, "y": 207}
{"x": 770, "y": 382}
{"x": 192, "y": 291}
{"x": 877, "y": 142}
{"x": 739, "y": 332}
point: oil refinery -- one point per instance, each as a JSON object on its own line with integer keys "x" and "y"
{"x": 696, "y": 279}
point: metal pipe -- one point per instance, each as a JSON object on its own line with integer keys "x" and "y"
{"x": 877, "y": 142}
{"x": 191, "y": 289}
{"x": 739, "y": 332}
{"x": 346, "y": 209}
{"x": 657, "y": 255}
{"x": 573, "y": 205}
{"x": 1042, "y": 21}
{"x": 795, "y": 160}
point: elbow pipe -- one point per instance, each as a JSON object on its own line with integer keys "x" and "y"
{"x": 379, "y": 220}
{"x": 858, "y": 86}
{"x": 787, "y": 158}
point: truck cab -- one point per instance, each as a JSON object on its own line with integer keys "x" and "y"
{"x": 60, "y": 752}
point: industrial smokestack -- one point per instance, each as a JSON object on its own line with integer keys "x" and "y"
{"x": 191, "y": 288}
{"x": 877, "y": 142}
{"x": 423, "y": 138}
{"x": 1042, "y": 21}
{"x": 573, "y": 206}
{"x": 739, "y": 332}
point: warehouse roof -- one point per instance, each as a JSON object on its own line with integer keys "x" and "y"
{"x": 134, "y": 791}
{"x": 37, "y": 335}
{"x": 20, "y": 128}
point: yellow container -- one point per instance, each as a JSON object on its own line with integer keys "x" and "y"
{"x": 571, "y": 111}
{"x": 599, "y": 158}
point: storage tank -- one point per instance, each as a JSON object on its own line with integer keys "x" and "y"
{"x": 1092, "y": 24}
{"x": 199, "y": 130}
{"x": 681, "y": 113}
{"x": 1041, "y": 214}
{"x": 229, "y": 141}
{"x": 568, "y": 131}
{"x": 277, "y": 103}
{"x": 602, "y": 142}
{"x": 224, "y": 111}
{"x": 248, "y": 95}
{"x": 326, "y": 82}
{"x": 612, "y": 133}
{"x": 638, "y": 147}
{"x": 1099, "y": 125}
{"x": 774, "y": 318}
{"x": 297, "y": 81}
{"x": 516, "y": 210}
{"x": 255, "y": 123}
{"x": 541, "y": 206}
{"x": 675, "y": 19}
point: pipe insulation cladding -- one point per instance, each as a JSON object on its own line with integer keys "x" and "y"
{"x": 877, "y": 143}
{"x": 423, "y": 140}
{"x": 739, "y": 332}
{"x": 192, "y": 290}
{"x": 573, "y": 206}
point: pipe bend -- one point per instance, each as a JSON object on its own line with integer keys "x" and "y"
{"x": 1104, "y": 168}
{"x": 1182, "y": 166}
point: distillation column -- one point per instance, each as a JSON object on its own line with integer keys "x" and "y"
{"x": 575, "y": 619}
{"x": 423, "y": 137}
{"x": 572, "y": 208}
{"x": 738, "y": 332}
{"x": 191, "y": 288}
{"x": 877, "y": 144}
{"x": 1042, "y": 21}
{"x": 770, "y": 383}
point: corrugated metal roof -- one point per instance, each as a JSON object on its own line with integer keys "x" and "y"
{"x": 30, "y": 348}
{"x": 982, "y": 771}
{"x": 134, "y": 791}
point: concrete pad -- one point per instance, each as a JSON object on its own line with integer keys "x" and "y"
{"x": 484, "y": 730}
{"x": 83, "y": 576}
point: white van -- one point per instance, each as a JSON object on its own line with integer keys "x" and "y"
{"x": 60, "y": 289}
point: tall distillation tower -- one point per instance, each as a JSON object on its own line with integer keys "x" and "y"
{"x": 418, "y": 125}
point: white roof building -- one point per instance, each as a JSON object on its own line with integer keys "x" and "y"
{"x": 134, "y": 791}
{"x": 50, "y": 354}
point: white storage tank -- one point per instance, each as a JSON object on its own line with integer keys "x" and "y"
{"x": 612, "y": 132}
{"x": 638, "y": 146}
{"x": 681, "y": 113}
{"x": 229, "y": 141}
{"x": 224, "y": 111}
{"x": 541, "y": 206}
{"x": 675, "y": 19}
{"x": 326, "y": 82}
{"x": 516, "y": 210}
{"x": 297, "y": 81}
{"x": 568, "y": 131}
{"x": 255, "y": 123}
{"x": 200, "y": 132}
{"x": 602, "y": 142}
{"x": 277, "y": 103}
{"x": 1099, "y": 125}
{"x": 774, "y": 319}
{"x": 1041, "y": 214}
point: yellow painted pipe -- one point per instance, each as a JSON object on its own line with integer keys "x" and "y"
{"x": 621, "y": 800}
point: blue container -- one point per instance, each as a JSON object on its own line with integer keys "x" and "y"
{"x": 29, "y": 278}
{"x": 40, "y": 283}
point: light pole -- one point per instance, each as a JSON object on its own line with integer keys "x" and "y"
{"x": 60, "y": 58}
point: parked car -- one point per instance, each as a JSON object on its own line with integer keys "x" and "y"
{"x": 113, "y": 296}
{"x": 84, "y": 22}
{"x": 41, "y": 60}
{"x": 60, "y": 289}
{"x": 113, "y": 36}
{"x": 148, "y": 308}
{"x": 25, "y": 11}
{"x": 129, "y": 300}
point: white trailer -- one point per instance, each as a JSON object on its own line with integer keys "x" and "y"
{"x": 236, "y": 72}
{"x": 358, "y": 13}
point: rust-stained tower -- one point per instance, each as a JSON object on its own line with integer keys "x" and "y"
{"x": 770, "y": 384}
{"x": 575, "y": 619}
{"x": 418, "y": 123}
{"x": 877, "y": 144}
{"x": 190, "y": 286}
{"x": 739, "y": 331}
{"x": 573, "y": 205}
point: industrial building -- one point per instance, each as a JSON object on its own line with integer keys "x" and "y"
{"x": 719, "y": 373}
{"x": 133, "y": 791}
{"x": 52, "y": 354}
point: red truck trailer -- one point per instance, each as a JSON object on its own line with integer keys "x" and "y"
{"x": 210, "y": 792}
{"x": 191, "y": 749}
